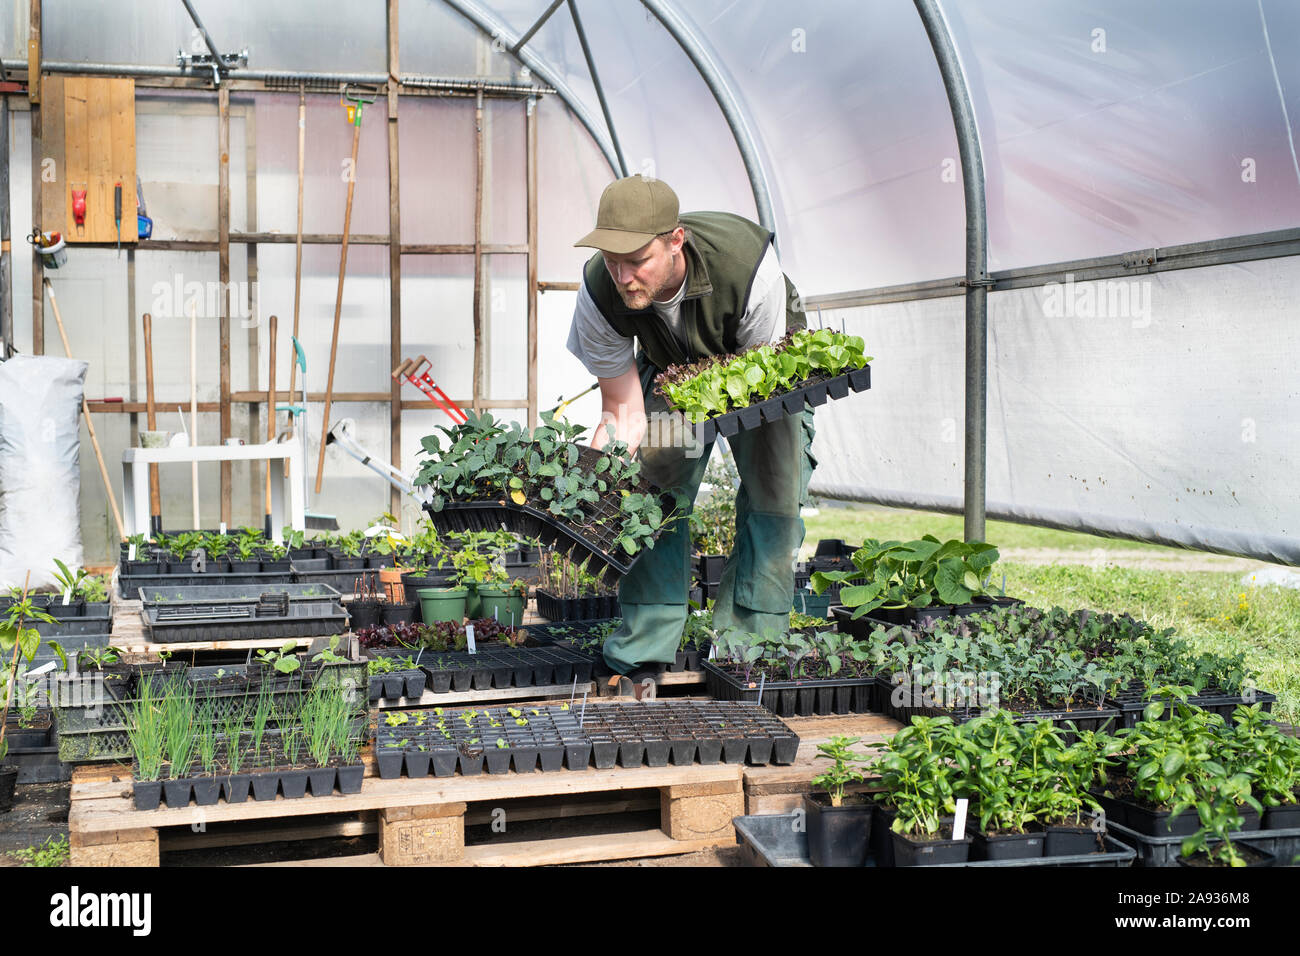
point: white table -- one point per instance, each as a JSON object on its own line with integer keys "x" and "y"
{"x": 284, "y": 459}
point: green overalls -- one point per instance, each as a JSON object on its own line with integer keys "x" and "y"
{"x": 722, "y": 254}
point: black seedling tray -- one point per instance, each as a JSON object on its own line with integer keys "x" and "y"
{"x": 463, "y": 516}
{"x": 97, "y": 619}
{"x": 504, "y": 667}
{"x": 814, "y": 391}
{"x": 780, "y": 839}
{"x": 236, "y": 613}
{"x": 658, "y": 732}
{"x": 1131, "y": 703}
{"x": 587, "y": 607}
{"x": 805, "y": 698}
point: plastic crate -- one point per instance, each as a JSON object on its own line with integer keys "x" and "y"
{"x": 775, "y": 840}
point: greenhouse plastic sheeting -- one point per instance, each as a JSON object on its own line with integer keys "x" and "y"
{"x": 1163, "y": 408}
{"x": 40, "y": 437}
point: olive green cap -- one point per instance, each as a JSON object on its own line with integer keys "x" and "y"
{"x": 632, "y": 212}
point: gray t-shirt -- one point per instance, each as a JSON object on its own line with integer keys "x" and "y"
{"x": 606, "y": 354}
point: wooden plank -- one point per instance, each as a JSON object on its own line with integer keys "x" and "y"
{"x": 530, "y": 175}
{"x": 121, "y": 145}
{"x": 680, "y": 678}
{"x": 557, "y": 287}
{"x": 76, "y": 154}
{"x": 34, "y": 58}
{"x": 111, "y": 813}
{"x": 139, "y": 853}
{"x": 38, "y": 271}
{"x": 223, "y": 276}
{"x": 705, "y": 816}
{"x": 364, "y": 859}
{"x": 99, "y": 166}
{"x": 251, "y": 834}
{"x": 53, "y": 179}
{"x": 588, "y": 849}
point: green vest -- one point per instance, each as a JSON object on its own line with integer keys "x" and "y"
{"x": 723, "y": 252}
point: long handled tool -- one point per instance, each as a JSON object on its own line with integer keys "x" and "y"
{"x": 314, "y": 520}
{"x": 354, "y": 106}
{"x": 194, "y": 408}
{"x": 270, "y": 423}
{"x": 155, "y": 498}
{"x": 410, "y": 368}
{"x": 90, "y": 425}
{"x": 342, "y": 435}
{"x": 297, "y": 264}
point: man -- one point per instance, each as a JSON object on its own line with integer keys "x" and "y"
{"x": 684, "y": 288}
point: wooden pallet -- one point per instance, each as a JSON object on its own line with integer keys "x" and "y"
{"x": 773, "y": 789}
{"x": 422, "y": 822}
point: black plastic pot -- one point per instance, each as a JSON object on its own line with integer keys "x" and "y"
{"x": 389, "y": 762}
{"x": 1150, "y": 822}
{"x": 439, "y": 681}
{"x": 362, "y": 613}
{"x": 577, "y": 754}
{"x": 525, "y": 757}
{"x": 604, "y": 753}
{"x": 471, "y": 761}
{"x": 1007, "y": 846}
{"x": 882, "y": 837}
{"x": 497, "y": 759}
{"x": 1255, "y": 857}
{"x": 443, "y": 761}
{"x": 148, "y": 793}
{"x": 710, "y": 750}
{"x": 322, "y": 780}
{"x": 177, "y": 792}
{"x": 682, "y": 751}
{"x": 207, "y": 791}
{"x": 417, "y": 763}
{"x": 1281, "y": 818}
{"x": 838, "y": 836}
{"x": 293, "y": 784}
{"x": 350, "y": 778}
{"x": 1064, "y": 840}
{"x": 551, "y": 757}
{"x": 656, "y": 753}
{"x": 265, "y": 785}
{"x": 631, "y": 753}
{"x": 236, "y": 786}
{"x": 913, "y": 852}
{"x": 397, "y": 613}
{"x": 394, "y": 685}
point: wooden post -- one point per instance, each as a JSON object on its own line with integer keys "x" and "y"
{"x": 478, "y": 252}
{"x": 34, "y": 62}
{"x": 38, "y": 268}
{"x": 530, "y": 147}
{"x": 270, "y": 415}
{"x": 223, "y": 274}
{"x": 338, "y": 300}
{"x": 90, "y": 425}
{"x": 394, "y": 262}
{"x": 297, "y": 264}
{"x": 155, "y": 499}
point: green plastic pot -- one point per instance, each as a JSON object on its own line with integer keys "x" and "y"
{"x": 503, "y": 604}
{"x": 442, "y": 604}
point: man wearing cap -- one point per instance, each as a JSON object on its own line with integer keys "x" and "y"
{"x": 685, "y": 287}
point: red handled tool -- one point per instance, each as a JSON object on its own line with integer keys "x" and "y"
{"x": 425, "y": 383}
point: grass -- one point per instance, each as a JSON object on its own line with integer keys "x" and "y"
{"x": 855, "y": 523}
{"x": 53, "y": 852}
{"x": 1212, "y": 610}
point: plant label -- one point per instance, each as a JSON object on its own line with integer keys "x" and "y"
{"x": 959, "y": 819}
{"x": 469, "y": 639}
{"x": 67, "y": 594}
{"x": 130, "y": 552}
{"x": 223, "y": 528}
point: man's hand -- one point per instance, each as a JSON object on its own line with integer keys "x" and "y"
{"x": 622, "y": 406}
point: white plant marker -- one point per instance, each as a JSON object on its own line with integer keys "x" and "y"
{"x": 959, "y": 819}
{"x": 469, "y": 639}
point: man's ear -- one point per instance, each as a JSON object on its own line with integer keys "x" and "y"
{"x": 678, "y": 240}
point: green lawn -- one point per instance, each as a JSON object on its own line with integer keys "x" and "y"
{"x": 858, "y": 522}
{"x": 1213, "y": 610}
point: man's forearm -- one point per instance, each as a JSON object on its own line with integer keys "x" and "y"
{"x": 628, "y": 428}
